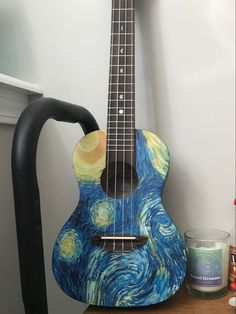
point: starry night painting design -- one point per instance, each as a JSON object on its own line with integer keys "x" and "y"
{"x": 146, "y": 275}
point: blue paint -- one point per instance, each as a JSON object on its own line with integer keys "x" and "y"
{"x": 147, "y": 275}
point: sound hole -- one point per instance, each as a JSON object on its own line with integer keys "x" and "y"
{"x": 119, "y": 179}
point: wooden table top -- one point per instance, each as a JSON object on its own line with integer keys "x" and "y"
{"x": 180, "y": 303}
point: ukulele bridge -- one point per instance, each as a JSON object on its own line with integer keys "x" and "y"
{"x": 118, "y": 238}
{"x": 119, "y": 243}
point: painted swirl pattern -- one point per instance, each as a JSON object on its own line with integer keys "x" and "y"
{"x": 148, "y": 274}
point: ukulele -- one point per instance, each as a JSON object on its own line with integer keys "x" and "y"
{"x": 120, "y": 248}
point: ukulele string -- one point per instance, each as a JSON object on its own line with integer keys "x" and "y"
{"x": 117, "y": 108}
{"x": 132, "y": 117}
{"x": 109, "y": 120}
{"x": 124, "y": 120}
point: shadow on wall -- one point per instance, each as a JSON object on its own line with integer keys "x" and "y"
{"x": 9, "y": 266}
{"x": 16, "y": 50}
{"x": 156, "y": 81}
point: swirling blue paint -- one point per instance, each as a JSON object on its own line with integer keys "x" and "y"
{"x": 147, "y": 275}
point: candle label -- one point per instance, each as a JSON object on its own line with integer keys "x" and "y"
{"x": 205, "y": 267}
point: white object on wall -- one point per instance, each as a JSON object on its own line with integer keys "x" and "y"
{"x": 15, "y": 94}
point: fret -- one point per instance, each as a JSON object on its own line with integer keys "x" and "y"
{"x": 120, "y": 124}
{"x": 121, "y": 65}
{"x": 118, "y": 75}
{"x": 125, "y": 128}
{"x": 118, "y": 22}
{"x": 122, "y": 136}
{"x": 120, "y": 150}
{"x": 128, "y": 146}
{"x": 123, "y": 123}
{"x": 121, "y": 79}
{"x": 125, "y": 137}
{"x": 133, "y": 136}
{"x": 121, "y": 89}
{"x": 121, "y": 100}
{"x": 122, "y": 106}
{"x": 121, "y": 139}
{"x": 118, "y": 101}
{"x": 128, "y": 138}
{"x": 122, "y": 55}
{"x": 122, "y": 94}
{"x": 123, "y": 115}
{"x": 126, "y": 9}
{"x": 122, "y": 39}
{"x": 125, "y": 92}
{"x": 123, "y": 27}
{"x": 122, "y": 50}
{"x": 118, "y": 84}
{"x": 123, "y": 15}
{"x": 127, "y": 112}
{"x": 122, "y": 33}
{"x": 121, "y": 143}
{"x": 119, "y": 146}
{"x": 129, "y": 87}
{"x": 121, "y": 97}
{"x": 128, "y": 4}
{"x": 122, "y": 58}
{"x": 122, "y": 61}
{"x": 117, "y": 121}
{"x": 126, "y": 45}
{"x": 117, "y": 135}
{"x": 128, "y": 122}
{"x": 126, "y": 115}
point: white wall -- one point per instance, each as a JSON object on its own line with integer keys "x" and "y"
{"x": 185, "y": 92}
{"x": 190, "y": 74}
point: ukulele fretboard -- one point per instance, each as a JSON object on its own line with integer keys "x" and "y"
{"x": 121, "y": 98}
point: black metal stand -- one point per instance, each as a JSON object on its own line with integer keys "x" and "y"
{"x": 26, "y": 192}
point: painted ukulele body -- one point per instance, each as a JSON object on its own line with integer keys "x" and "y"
{"x": 143, "y": 276}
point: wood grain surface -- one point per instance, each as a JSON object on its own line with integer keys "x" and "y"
{"x": 181, "y": 303}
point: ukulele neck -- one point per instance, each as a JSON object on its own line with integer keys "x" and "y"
{"x": 121, "y": 99}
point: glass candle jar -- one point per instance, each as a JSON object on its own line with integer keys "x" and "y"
{"x": 208, "y": 260}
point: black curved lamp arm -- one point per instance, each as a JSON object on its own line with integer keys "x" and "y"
{"x": 26, "y": 192}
